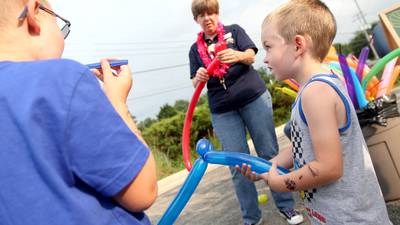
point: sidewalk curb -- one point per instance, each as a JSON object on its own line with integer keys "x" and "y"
{"x": 168, "y": 183}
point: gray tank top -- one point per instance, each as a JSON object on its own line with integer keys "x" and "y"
{"x": 356, "y": 197}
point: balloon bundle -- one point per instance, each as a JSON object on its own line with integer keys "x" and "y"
{"x": 368, "y": 93}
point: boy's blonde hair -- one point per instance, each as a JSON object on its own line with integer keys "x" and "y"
{"x": 204, "y": 6}
{"x": 310, "y": 18}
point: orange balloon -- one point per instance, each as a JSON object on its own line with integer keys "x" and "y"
{"x": 372, "y": 88}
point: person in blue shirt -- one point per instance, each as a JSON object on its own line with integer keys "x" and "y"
{"x": 238, "y": 101}
{"x": 70, "y": 152}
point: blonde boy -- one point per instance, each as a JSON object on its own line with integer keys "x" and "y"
{"x": 332, "y": 167}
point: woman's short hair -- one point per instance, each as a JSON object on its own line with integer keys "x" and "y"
{"x": 200, "y": 7}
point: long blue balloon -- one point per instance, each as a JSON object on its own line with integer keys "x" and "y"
{"x": 184, "y": 194}
{"x": 361, "y": 100}
{"x": 257, "y": 164}
{"x": 206, "y": 151}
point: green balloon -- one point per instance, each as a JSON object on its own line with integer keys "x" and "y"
{"x": 379, "y": 66}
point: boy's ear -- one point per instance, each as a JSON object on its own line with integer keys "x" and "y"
{"x": 32, "y": 17}
{"x": 300, "y": 43}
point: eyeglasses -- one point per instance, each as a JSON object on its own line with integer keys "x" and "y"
{"x": 64, "y": 24}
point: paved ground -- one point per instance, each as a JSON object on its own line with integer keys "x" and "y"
{"x": 214, "y": 201}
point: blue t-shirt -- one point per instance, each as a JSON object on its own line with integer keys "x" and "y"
{"x": 243, "y": 82}
{"x": 64, "y": 151}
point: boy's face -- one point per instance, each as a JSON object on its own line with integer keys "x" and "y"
{"x": 279, "y": 55}
{"x": 208, "y": 22}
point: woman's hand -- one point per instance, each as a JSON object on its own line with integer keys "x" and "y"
{"x": 201, "y": 76}
{"x": 116, "y": 85}
{"x": 230, "y": 56}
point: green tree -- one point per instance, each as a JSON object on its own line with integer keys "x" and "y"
{"x": 181, "y": 105}
{"x": 359, "y": 41}
{"x": 345, "y": 48}
{"x": 166, "y": 111}
{"x": 146, "y": 123}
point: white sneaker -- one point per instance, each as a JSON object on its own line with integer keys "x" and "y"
{"x": 292, "y": 216}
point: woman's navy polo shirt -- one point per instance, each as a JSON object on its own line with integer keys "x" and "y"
{"x": 243, "y": 82}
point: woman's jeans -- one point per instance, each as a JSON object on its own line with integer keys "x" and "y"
{"x": 230, "y": 128}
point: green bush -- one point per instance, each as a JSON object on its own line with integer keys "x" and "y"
{"x": 166, "y": 111}
{"x": 165, "y": 135}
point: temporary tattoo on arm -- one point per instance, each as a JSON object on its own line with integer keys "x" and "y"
{"x": 301, "y": 177}
{"x": 314, "y": 172}
{"x": 290, "y": 184}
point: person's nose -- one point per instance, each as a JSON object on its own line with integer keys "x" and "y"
{"x": 266, "y": 60}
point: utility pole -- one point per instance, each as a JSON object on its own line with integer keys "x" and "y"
{"x": 365, "y": 27}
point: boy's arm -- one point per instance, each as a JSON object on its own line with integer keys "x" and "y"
{"x": 319, "y": 103}
{"x": 284, "y": 158}
{"x": 141, "y": 193}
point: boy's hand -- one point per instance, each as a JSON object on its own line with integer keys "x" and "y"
{"x": 273, "y": 179}
{"x": 116, "y": 85}
{"x": 246, "y": 171}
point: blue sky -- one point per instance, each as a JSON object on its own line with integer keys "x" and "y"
{"x": 157, "y": 34}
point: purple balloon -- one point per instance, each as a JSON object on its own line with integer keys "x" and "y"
{"x": 348, "y": 79}
{"x": 361, "y": 63}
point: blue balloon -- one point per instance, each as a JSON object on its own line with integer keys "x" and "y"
{"x": 257, "y": 164}
{"x": 359, "y": 93}
{"x": 208, "y": 155}
{"x": 203, "y": 146}
{"x": 362, "y": 101}
{"x": 184, "y": 194}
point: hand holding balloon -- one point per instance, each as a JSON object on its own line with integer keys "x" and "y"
{"x": 245, "y": 170}
{"x": 269, "y": 177}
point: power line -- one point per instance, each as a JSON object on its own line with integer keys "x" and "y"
{"x": 144, "y": 42}
{"x": 363, "y": 21}
{"x": 160, "y": 68}
{"x": 159, "y": 93}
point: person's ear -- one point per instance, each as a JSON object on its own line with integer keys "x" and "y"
{"x": 300, "y": 44}
{"x": 32, "y": 17}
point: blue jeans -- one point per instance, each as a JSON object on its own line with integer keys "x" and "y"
{"x": 230, "y": 128}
